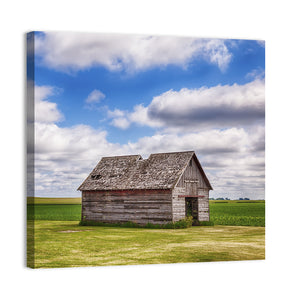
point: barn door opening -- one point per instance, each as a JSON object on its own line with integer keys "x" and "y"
{"x": 191, "y": 207}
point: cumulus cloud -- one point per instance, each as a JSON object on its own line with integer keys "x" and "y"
{"x": 218, "y": 106}
{"x": 139, "y": 115}
{"x": 121, "y": 123}
{"x": 65, "y": 156}
{"x": 194, "y": 109}
{"x": 119, "y": 118}
{"x": 94, "y": 97}
{"x": 117, "y": 113}
{"x": 223, "y": 124}
{"x": 207, "y": 142}
{"x": 62, "y": 155}
{"x": 46, "y": 111}
{"x": 240, "y": 176}
{"x": 233, "y": 158}
{"x": 67, "y": 51}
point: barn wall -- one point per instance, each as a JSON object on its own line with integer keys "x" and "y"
{"x": 191, "y": 184}
{"x": 203, "y": 205}
{"x": 140, "y": 206}
{"x": 178, "y": 203}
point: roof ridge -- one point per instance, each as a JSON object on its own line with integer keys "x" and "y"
{"x": 122, "y": 156}
{"x": 129, "y": 155}
{"x": 189, "y": 151}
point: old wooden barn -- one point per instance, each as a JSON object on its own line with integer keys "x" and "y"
{"x": 163, "y": 188}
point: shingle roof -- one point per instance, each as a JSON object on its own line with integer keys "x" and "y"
{"x": 159, "y": 171}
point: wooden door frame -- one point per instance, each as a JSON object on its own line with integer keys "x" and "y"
{"x": 195, "y": 206}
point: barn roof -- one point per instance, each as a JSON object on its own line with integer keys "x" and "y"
{"x": 158, "y": 171}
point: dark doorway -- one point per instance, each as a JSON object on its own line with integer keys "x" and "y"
{"x": 191, "y": 207}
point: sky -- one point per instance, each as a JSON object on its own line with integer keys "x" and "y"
{"x": 101, "y": 95}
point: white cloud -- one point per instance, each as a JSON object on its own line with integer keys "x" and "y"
{"x": 218, "y": 106}
{"x": 115, "y": 113}
{"x": 68, "y": 51}
{"x": 123, "y": 119}
{"x": 140, "y": 116}
{"x": 121, "y": 123}
{"x": 217, "y": 53}
{"x": 241, "y": 175}
{"x": 203, "y": 108}
{"x": 65, "y": 156}
{"x": 46, "y": 111}
{"x": 208, "y": 142}
{"x": 94, "y": 97}
{"x": 233, "y": 158}
{"x": 258, "y": 73}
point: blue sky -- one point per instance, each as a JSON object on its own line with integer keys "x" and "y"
{"x": 99, "y": 95}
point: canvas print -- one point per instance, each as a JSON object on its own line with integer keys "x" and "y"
{"x": 144, "y": 149}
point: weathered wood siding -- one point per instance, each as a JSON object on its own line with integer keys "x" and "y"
{"x": 192, "y": 179}
{"x": 140, "y": 206}
{"x": 191, "y": 184}
{"x": 203, "y": 205}
{"x": 178, "y": 203}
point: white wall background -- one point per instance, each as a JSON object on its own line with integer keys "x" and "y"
{"x": 275, "y": 22}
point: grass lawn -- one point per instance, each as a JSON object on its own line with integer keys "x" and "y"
{"x": 65, "y": 244}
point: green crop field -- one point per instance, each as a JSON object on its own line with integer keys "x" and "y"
{"x": 65, "y": 244}
{"x": 238, "y": 212}
{"x": 63, "y": 212}
{"x": 64, "y": 209}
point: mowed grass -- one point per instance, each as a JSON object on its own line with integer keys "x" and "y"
{"x": 239, "y": 213}
{"x": 65, "y": 244}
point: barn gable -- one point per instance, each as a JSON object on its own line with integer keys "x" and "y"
{"x": 132, "y": 172}
{"x": 193, "y": 174}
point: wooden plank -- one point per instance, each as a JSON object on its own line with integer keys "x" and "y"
{"x": 140, "y": 207}
{"x": 192, "y": 178}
